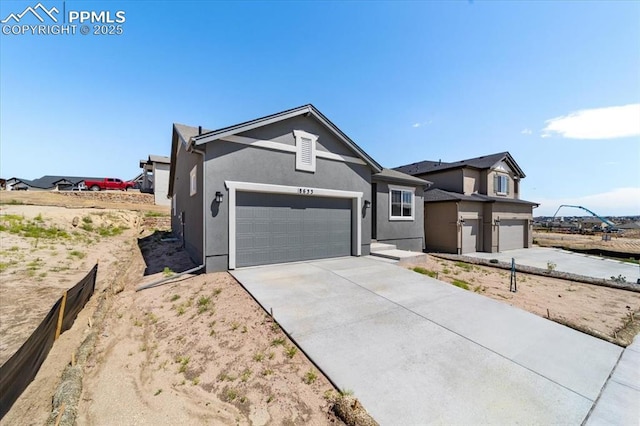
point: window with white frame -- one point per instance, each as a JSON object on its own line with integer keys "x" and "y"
{"x": 401, "y": 203}
{"x": 501, "y": 184}
{"x": 193, "y": 181}
{"x": 305, "y": 150}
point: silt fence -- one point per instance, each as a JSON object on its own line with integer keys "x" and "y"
{"x": 20, "y": 370}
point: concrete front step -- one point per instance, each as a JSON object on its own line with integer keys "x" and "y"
{"x": 375, "y": 247}
{"x": 390, "y": 251}
{"x": 397, "y": 254}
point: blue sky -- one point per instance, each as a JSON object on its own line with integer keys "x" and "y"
{"x": 555, "y": 83}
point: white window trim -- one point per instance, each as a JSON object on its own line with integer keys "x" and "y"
{"x": 298, "y": 135}
{"x": 506, "y": 178}
{"x": 193, "y": 181}
{"x": 233, "y": 187}
{"x": 413, "y": 203}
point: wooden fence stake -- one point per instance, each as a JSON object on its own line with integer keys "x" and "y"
{"x": 548, "y": 316}
{"x": 73, "y": 359}
{"x": 60, "y": 413}
{"x": 61, "y": 315}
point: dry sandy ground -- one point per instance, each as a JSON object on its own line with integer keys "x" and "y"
{"x": 201, "y": 346}
{"x": 35, "y": 271}
{"x": 196, "y": 351}
{"x": 129, "y": 200}
{"x": 629, "y": 242}
{"x": 602, "y": 309}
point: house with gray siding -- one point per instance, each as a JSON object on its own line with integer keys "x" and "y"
{"x": 474, "y": 204}
{"x": 154, "y": 178}
{"x": 287, "y": 187}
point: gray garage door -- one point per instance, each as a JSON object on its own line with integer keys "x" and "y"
{"x": 511, "y": 234}
{"x": 274, "y": 228}
{"x": 470, "y": 236}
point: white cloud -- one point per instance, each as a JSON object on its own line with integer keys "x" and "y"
{"x": 526, "y": 131}
{"x": 424, "y": 123}
{"x": 617, "y": 202}
{"x": 598, "y": 123}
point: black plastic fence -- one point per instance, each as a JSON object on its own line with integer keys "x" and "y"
{"x": 22, "y": 367}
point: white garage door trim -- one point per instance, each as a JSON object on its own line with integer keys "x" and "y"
{"x": 233, "y": 186}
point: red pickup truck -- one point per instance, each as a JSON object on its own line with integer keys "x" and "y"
{"x": 108, "y": 183}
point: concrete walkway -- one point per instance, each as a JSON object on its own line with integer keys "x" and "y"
{"x": 566, "y": 261}
{"x": 415, "y": 350}
{"x": 619, "y": 403}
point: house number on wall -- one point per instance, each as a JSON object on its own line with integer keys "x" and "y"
{"x": 305, "y": 191}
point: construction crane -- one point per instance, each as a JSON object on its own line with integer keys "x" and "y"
{"x": 610, "y": 224}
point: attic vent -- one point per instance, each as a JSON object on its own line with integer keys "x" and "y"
{"x": 305, "y": 150}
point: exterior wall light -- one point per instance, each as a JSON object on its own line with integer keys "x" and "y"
{"x": 219, "y": 196}
{"x": 367, "y": 204}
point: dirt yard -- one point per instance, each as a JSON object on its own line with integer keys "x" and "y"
{"x": 204, "y": 348}
{"x": 602, "y": 311}
{"x": 42, "y": 254}
{"x": 196, "y": 351}
{"x": 628, "y": 242}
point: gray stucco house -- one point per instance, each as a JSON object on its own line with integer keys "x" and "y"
{"x": 287, "y": 187}
{"x": 474, "y": 204}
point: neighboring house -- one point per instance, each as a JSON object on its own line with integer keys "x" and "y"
{"x": 588, "y": 222}
{"x": 18, "y": 184}
{"x": 49, "y": 182}
{"x": 287, "y": 187}
{"x": 155, "y": 178}
{"x": 474, "y": 205}
{"x": 630, "y": 225}
{"x": 139, "y": 179}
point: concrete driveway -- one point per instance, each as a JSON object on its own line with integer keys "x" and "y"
{"x": 415, "y": 350}
{"x": 566, "y": 261}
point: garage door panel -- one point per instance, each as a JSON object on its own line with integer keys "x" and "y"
{"x": 274, "y": 228}
{"x": 470, "y": 237}
{"x": 511, "y": 234}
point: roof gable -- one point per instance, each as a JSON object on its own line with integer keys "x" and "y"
{"x": 482, "y": 162}
{"x": 306, "y": 110}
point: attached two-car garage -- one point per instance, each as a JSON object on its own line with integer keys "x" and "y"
{"x": 277, "y": 228}
{"x": 511, "y": 235}
{"x": 271, "y": 223}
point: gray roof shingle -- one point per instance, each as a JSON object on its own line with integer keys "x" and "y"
{"x": 482, "y": 162}
{"x": 438, "y": 195}
{"x": 396, "y": 176}
{"x": 49, "y": 181}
